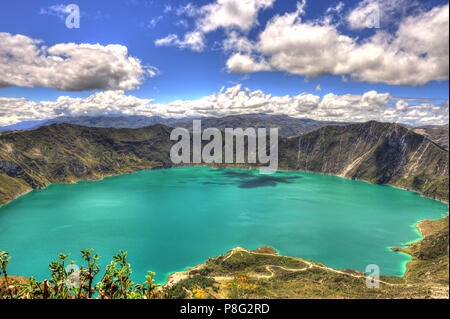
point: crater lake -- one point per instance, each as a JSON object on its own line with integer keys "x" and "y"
{"x": 168, "y": 220}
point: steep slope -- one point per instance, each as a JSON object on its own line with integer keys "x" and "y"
{"x": 376, "y": 152}
{"x": 65, "y": 153}
{"x": 436, "y": 133}
{"x": 380, "y": 153}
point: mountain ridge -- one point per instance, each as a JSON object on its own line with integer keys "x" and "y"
{"x": 288, "y": 126}
{"x": 381, "y": 153}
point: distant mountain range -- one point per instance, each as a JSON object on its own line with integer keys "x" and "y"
{"x": 381, "y": 153}
{"x": 288, "y": 126}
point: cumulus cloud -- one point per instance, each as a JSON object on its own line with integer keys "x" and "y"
{"x": 242, "y": 63}
{"x": 13, "y": 110}
{"x": 235, "y": 100}
{"x": 418, "y": 52}
{"x": 226, "y": 14}
{"x": 28, "y": 62}
{"x": 240, "y": 14}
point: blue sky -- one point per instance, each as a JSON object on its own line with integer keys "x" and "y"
{"x": 186, "y": 73}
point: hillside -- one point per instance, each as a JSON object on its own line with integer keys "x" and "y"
{"x": 380, "y": 153}
{"x": 436, "y": 133}
{"x": 262, "y": 273}
{"x": 66, "y": 153}
{"x": 376, "y": 152}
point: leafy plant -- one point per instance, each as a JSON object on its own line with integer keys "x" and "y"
{"x": 70, "y": 282}
{"x": 4, "y": 260}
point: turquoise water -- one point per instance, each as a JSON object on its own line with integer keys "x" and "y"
{"x": 171, "y": 219}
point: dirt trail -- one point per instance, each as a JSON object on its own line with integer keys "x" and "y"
{"x": 310, "y": 266}
{"x": 438, "y": 291}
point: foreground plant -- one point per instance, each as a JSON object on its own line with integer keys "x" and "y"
{"x": 70, "y": 282}
{"x": 4, "y": 260}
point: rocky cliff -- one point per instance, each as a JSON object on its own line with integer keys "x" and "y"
{"x": 380, "y": 153}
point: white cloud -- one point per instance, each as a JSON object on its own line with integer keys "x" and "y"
{"x": 227, "y": 14}
{"x": 188, "y": 10}
{"x": 318, "y": 88}
{"x": 237, "y": 43}
{"x": 242, "y": 63}
{"x": 232, "y": 101}
{"x": 154, "y": 21}
{"x": 417, "y": 53}
{"x": 167, "y": 8}
{"x": 239, "y": 14}
{"x": 401, "y": 105}
{"x": 57, "y": 10}
{"x": 13, "y": 110}
{"x": 28, "y": 62}
{"x": 338, "y": 8}
{"x": 194, "y": 41}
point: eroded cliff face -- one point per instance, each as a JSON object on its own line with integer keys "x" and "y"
{"x": 380, "y": 153}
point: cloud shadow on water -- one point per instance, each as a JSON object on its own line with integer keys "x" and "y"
{"x": 252, "y": 179}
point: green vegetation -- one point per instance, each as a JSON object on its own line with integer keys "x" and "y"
{"x": 264, "y": 274}
{"x": 430, "y": 255}
{"x": 192, "y": 287}
{"x": 70, "y": 282}
{"x": 242, "y": 273}
{"x": 379, "y": 153}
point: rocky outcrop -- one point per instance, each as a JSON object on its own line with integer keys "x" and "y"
{"x": 11, "y": 169}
